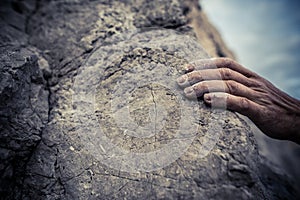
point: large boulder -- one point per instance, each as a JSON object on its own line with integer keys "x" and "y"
{"x": 90, "y": 108}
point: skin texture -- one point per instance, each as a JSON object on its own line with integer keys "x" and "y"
{"x": 223, "y": 83}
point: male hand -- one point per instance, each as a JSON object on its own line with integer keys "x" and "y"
{"x": 223, "y": 83}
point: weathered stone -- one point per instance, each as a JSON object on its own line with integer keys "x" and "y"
{"x": 23, "y": 111}
{"x": 105, "y": 118}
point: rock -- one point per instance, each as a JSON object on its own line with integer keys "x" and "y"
{"x": 24, "y": 97}
{"x": 23, "y": 111}
{"x": 206, "y": 34}
{"x": 94, "y": 111}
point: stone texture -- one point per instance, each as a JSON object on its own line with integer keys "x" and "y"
{"x": 89, "y": 86}
{"x": 23, "y": 110}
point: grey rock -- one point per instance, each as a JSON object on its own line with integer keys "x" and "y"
{"x": 23, "y": 96}
{"x": 90, "y": 108}
{"x": 23, "y": 111}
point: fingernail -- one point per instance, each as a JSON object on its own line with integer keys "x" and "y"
{"x": 189, "y": 91}
{"x": 188, "y": 67}
{"x": 182, "y": 79}
{"x": 207, "y": 98}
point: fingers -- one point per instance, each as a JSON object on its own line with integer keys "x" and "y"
{"x": 213, "y": 74}
{"x": 218, "y": 63}
{"x": 198, "y": 76}
{"x": 234, "y": 103}
{"x": 223, "y": 83}
{"x": 229, "y": 86}
{"x": 198, "y": 89}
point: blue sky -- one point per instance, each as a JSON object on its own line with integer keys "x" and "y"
{"x": 264, "y": 35}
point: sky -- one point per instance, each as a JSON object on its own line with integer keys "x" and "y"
{"x": 264, "y": 35}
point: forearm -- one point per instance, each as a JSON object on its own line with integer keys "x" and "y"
{"x": 295, "y": 130}
{"x": 292, "y": 107}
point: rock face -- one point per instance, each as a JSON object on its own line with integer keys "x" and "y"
{"x": 23, "y": 111}
{"x": 90, "y": 108}
{"x": 24, "y": 97}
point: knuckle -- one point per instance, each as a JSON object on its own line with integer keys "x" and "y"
{"x": 227, "y": 61}
{"x": 194, "y": 77}
{"x": 254, "y": 83}
{"x": 226, "y": 73}
{"x": 232, "y": 86}
{"x": 190, "y": 76}
{"x": 199, "y": 88}
{"x": 244, "y": 104}
{"x": 268, "y": 97}
{"x": 196, "y": 87}
{"x": 264, "y": 98}
{"x": 256, "y": 95}
{"x": 198, "y": 76}
{"x": 259, "y": 84}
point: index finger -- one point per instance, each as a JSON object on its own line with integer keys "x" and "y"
{"x": 214, "y": 63}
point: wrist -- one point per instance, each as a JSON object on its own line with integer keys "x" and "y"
{"x": 295, "y": 130}
{"x": 292, "y": 108}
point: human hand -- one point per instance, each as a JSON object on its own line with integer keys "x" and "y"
{"x": 223, "y": 83}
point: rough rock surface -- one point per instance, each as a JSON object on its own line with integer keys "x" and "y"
{"x": 24, "y": 97}
{"x": 90, "y": 109}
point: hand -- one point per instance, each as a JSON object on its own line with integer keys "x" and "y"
{"x": 223, "y": 83}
